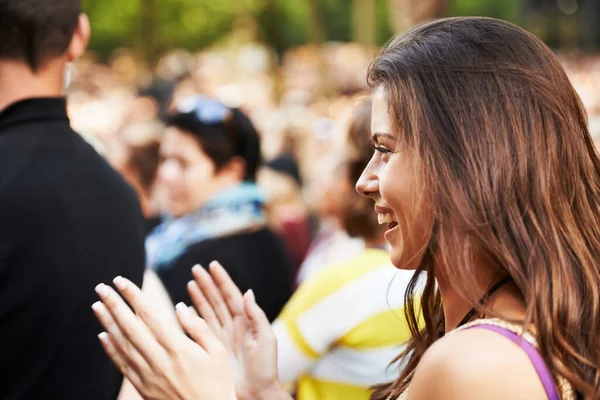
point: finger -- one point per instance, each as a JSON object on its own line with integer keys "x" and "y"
{"x": 165, "y": 334}
{"x": 193, "y": 311}
{"x": 203, "y": 306}
{"x": 241, "y": 326}
{"x": 213, "y": 295}
{"x": 132, "y": 328}
{"x": 119, "y": 359}
{"x": 125, "y": 349}
{"x": 198, "y": 329}
{"x": 230, "y": 292}
{"x": 256, "y": 316}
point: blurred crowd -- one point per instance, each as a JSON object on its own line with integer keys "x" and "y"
{"x": 301, "y": 107}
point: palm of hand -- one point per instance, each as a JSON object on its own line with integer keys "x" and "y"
{"x": 241, "y": 326}
{"x": 252, "y": 357}
{"x": 178, "y": 378}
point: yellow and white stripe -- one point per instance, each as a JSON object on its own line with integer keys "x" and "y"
{"x": 342, "y": 329}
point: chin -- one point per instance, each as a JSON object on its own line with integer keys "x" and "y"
{"x": 400, "y": 262}
{"x": 176, "y": 212}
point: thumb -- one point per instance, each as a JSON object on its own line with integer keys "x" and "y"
{"x": 256, "y": 316}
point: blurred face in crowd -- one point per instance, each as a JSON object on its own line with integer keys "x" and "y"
{"x": 187, "y": 174}
{"x": 391, "y": 180}
{"x": 331, "y": 191}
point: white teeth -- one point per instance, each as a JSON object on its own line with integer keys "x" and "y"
{"x": 386, "y": 218}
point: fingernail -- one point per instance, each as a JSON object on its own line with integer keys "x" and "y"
{"x": 196, "y": 268}
{"x": 251, "y": 295}
{"x": 102, "y": 290}
{"x": 191, "y": 284}
{"x": 103, "y": 337}
{"x": 97, "y": 307}
{"x": 120, "y": 283}
{"x": 181, "y": 307}
{"x": 214, "y": 264}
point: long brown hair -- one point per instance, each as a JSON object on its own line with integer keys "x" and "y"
{"x": 504, "y": 151}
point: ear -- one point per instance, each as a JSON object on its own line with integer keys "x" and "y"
{"x": 234, "y": 170}
{"x": 80, "y": 39}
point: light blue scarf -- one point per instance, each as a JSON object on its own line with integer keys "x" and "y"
{"x": 232, "y": 211}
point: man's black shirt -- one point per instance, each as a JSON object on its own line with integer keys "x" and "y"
{"x": 67, "y": 223}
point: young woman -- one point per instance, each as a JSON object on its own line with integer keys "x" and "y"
{"x": 489, "y": 181}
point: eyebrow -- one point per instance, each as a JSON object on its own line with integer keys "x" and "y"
{"x": 381, "y": 135}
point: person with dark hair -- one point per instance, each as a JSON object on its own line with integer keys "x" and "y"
{"x": 135, "y": 153}
{"x": 210, "y": 155}
{"x": 67, "y": 219}
{"x": 141, "y": 169}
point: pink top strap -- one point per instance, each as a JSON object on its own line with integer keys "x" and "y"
{"x": 536, "y": 359}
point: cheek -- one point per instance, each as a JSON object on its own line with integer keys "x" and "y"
{"x": 199, "y": 176}
{"x": 391, "y": 187}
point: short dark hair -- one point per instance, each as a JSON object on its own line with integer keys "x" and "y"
{"x": 144, "y": 160}
{"x": 235, "y": 137}
{"x": 33, "y": 31}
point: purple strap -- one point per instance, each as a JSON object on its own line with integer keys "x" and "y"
{"x": 535, "y": 357}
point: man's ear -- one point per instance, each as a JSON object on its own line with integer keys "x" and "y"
{"x": 80, "y": 39}
{"x": 235, "y": 169}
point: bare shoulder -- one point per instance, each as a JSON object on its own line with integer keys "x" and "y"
{"x": 476, "y": 364}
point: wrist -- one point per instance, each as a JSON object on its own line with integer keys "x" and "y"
{"x": 272, "y": 392}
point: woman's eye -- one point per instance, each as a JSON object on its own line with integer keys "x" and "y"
{"x": 382, "y": 150}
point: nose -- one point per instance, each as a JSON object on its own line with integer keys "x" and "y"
{"x": 368, "y": 183}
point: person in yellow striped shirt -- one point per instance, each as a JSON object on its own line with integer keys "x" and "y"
{"x": 336, "y": 339}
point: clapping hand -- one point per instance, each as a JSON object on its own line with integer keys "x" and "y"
{"x": 161, "y": 362}
{"x": 243, "y": 328}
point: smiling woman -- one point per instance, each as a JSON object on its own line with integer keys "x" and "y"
{"x": 484, "y": 158}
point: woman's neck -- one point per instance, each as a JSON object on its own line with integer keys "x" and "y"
{"x": 505, "y": 301}
{"x": 455, "y": 307}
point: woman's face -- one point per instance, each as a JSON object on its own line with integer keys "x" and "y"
{"x": 187, "y": 175}
{"x": 391, "y": 180}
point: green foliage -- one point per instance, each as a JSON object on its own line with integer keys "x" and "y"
{"x": 509, "y": 10}
{"x": 189, "y": 24}
{"x": 193, "y": 24}
{"x": 383, "y": 24}
{"x": 114, "y": 23}
{"x": 284, "y": 23}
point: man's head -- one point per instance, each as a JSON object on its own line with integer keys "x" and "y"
{"x": 36, "y": 32}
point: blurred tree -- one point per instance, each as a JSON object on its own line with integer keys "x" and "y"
{"x": 590, "y": 24}
{"x": 509, "y": 10}
{"x": 363, "y": 20}
{"x": 406, "y": 13}
{"x": 153, "y": 26}
{"x": 148, "y": 30}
